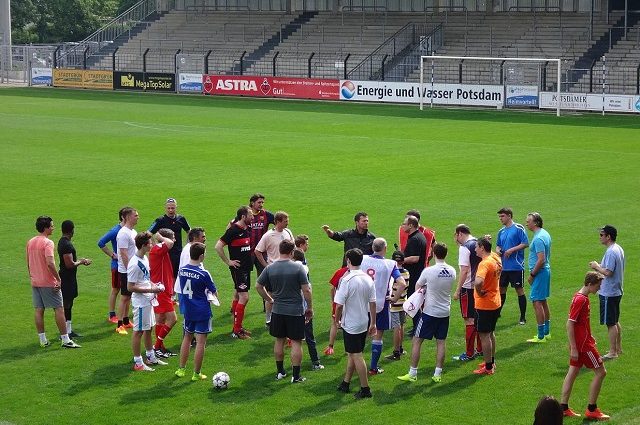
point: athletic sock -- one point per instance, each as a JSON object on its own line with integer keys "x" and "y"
{"x": 43, "y": 338}
{"x": 489, "y": 366}
{"x": 65, "y": 338}
{"x": 120, "y": 323}
{"x": 478, "y": 342}
{"x": 138, "y": 360}
{"x": 522, "y": 302}
{"x": 547, "y": 327}
{"x": 376, "y": 352}
{"x": 413, "y": 371}
{"x": 151, "y": 355}
{"x": 233, "y": 306}
{"x": 161, "y": 331}
{"x": 112, "y": 314}
{"x": 540, "y": 331}
{"x": 280, "y": 367}
{"x": 125, "y": 320}
{"x": 437, "y": 371}
{"x": 69, "y": 326}
{"x": 296, "y": 372}
{"x": 564, "y": 406}
{"x": 238, "y": 317}
{"x": 592, "y": 407}
{"x": 470, "y": 337}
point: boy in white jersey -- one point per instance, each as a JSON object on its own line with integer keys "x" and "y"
{"x": 143, "y": 298}
{"x": 434, "y": 322}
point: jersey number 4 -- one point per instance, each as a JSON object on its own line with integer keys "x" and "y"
{"x": 186, "y": 290}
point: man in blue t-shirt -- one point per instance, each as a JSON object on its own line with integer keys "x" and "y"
{"x": 539, "y": 275}
{"x": 112, "y": 253}
{"x": 612, "y": 267}
{"x": 510, "y": 245}
{"x": 194, "y": 281}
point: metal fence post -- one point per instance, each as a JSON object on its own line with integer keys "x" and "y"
{"x": 275, "y": 58}
{"x": 460, "y": 72}
{"x": 593, "y": 64}
{"x": 384, "y": 59}
{"x": 84, "y": 58}
{"x": 242, "y": 62}
{"x": 638, "y": 79}
{"x": 175, "y": 61}
{"x": 55, "y": 56}
{"x": 113, "y": 59}
{"x": 309, "y": 65}
{"x": 144, "y": 60}
{"x": 345, "y": 65}
{"x": 206, "y": 61}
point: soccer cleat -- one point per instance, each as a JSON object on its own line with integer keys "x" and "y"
{"x": 298, "y": 379}
{"x": 328, "y": 351}
{"x": 394, "y": 356}
{"x": 240, "y": 335}
{"x": 280, "y": 376}
{"x": 596, "y": 415}
{"x": 570, "y": 413}
{"x": 142, "y": 368}
{"x": 436, "y": 379}
{"x": 408, "y": 378}
{"x": 180, "y": 372}
{"x": 168, "y": 353}
{"x": 317, "y": 366}
{"x": 343, "y": 387}
{"x": 362, "y": 394}
{"x": 159, "y": 352}
{"x": 128, "y": 325}
{"x": 609, "y": 356}
{"x": 70, "y": 344}
{"x": 548, "y": 337}
{"x": 198, "y": 377}
{"x": 121, "y": 330}
{"x": 245, "y": 331}
{"x": 45, "y": 344}
{"x": 484, "y": 371}
{"x": 463, "y": 357}
{"x": 113, "y": 319}
{"x": 376, "y": 371}
{"x": 522, "y": 322}
{"x": 156, "y": 361}
{"x": 481, "y": 365}
{"x": 536, "y": 340}
{"x": 72, "y": 334}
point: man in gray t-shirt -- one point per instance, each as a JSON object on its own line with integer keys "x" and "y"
{"x": 283, "y": 284}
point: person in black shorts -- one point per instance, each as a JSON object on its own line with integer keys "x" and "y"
{"x": 176, "y": 222}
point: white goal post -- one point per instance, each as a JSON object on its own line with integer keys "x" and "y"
{"x": 435, "y": 58}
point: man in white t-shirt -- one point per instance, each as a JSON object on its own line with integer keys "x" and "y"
{"x": 143, "y": 298}
{"x": 355, "y": 302}
{"x": 195, "y": 235}
{"x": 126, "y": 249}
{"x": 269, "y": 244}
{"x": 438, "y": 281}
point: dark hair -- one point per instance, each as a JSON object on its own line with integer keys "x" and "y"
{"x": 43, "y": 222}
{"x": 280, "y": 216}
{"x": 301, "y": 240}
{"x": 255, "y": 197}
{"x": 354, "y": 255}
{"x": 610, "y": 231}
{"x": 286, "y": 247}
{"x": 196, "y": 250}
{"x": 412, "y": 220}
{"x": 592, "y": 278}
{"x": 548, "y": 412}
{"x": 359, "y": 215}
{"x": 167, "y": 233}
{"x": 414, "y": 213}
{"x": 440, "y": 250}
{"x": 298, "y": 255}
{"x": 537, "y": 218}
{"x": 243, "y": 210}
{"x": 121, "y": 213}
{"x": 485, "y": 243}
{"x": 67, "y": 227}
{"x": 506, "y": 210}
{"x": 194, "y": 233}
{"x": 142, "y": 238}
{"x": 463, "y": 228}
{"x": 127, "y": 211}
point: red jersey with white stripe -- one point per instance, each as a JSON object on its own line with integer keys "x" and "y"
{"x": 161, "y": 268}
{"x": 579, "y": 313}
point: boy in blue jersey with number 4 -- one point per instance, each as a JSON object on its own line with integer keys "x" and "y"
{"x": 194, "y": 282}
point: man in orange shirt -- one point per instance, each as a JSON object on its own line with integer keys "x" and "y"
{"x": 486, "y": 296}
{"x": 45, "y": 282}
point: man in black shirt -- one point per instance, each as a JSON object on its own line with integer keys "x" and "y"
{"x": 415, "y": 255}
{"x": 177, "y": 223}
{"x": 360, "y": 237}
{"x": 68, "y": 268}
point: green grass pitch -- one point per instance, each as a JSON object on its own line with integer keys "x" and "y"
{"x": 82, "y": 155}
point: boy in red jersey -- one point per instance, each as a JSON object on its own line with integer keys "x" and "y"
{"x": 334, "y": 281}
{"x": 583, "y": 351}
{"x": 162, "y": 271}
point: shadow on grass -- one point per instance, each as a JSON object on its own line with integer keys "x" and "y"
{"x": 107, "y": 376}
{"x": 328, "y": 404}
{"x": 166, "y": 389}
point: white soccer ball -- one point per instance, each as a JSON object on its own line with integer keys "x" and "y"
{"x": 221, "y": 380}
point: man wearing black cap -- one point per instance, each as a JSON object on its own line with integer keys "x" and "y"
{"x": 612, "y": 267}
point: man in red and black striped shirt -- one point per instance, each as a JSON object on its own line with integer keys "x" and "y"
{"x": 259, "y": 226}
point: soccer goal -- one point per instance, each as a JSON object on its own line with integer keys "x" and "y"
{"x": 488, "y": 81}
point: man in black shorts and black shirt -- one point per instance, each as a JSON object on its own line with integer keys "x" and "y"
{"x": 360, "y": 237}
{"x": 237, "y": 238}
{"x": 415, "y": 255}
{"x": 177, "y": 223}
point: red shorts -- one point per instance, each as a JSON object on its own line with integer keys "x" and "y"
{"x": 115, "y": 279}
{"x": 590, "y": 358}
{"x": 165, "y": 304}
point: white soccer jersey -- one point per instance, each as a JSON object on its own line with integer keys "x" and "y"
{"x": 379, "y": 269}
{"x": 439, "y": 280}
{"x": 138, "y": 273}
{"x": 355, "y": 292}
{"x": 126, "y": 240}
{"x": 185, "y": 257}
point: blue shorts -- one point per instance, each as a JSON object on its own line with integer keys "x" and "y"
{"x": 197, "y": 326}
{"x": 429, "y": 327}
{"x": 541, "y": 286}
{"x": 383, "y": 318}
{"x": 609, "y": 310}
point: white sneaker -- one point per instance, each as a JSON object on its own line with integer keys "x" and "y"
{"x": 280, "y": 376}
{"x": 70, "y": 344}
{"x": 142, "y": 368}
{"x": 156, "y": 361}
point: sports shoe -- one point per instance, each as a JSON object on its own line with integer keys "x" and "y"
{"x": 180, "y": 372}
{"x": 436, "y": 379}
{"x": 128, "y": 325}
{"x": 45, "y": 344}
{"x": 394, "y": 356}
{"x": 193, "y": 342}
{"x": 463, "y": 357}
{"x": 376, "y": 371}
{"x": 536, "y": 340}
{"x": 70, "y": 344}
{"x": 609, "y": 356}
{"x": 240, "y": 335}
{"x": 522, "y": 322}
{"x": 328, "y": 351}
{"x": 298, "y": 379}
{"x": 408, "y": 378}
{"x": 547, "y": 337}
{"x": 156, "y": 361}
{"x": 343, "y": 387}
{"x": 362, "y": 394}
{"x": 317, "y": 366}
{"x": 481, "y": 365}
{"x": 570, "y": 413}
{"x": 121, "y": 330}
{"x": 168, "y": 353}
{"x": 596, "y": 415}
{"x": 280, "y": 376}
{"x": 198, "y": 377}
{"x": 113, "y": 319}
{"x": 72, "y": 334}
{"x": 477, "y": 354}
{"x": 484, "y": 371}
{"x": 246, "y": 331}
{"x": 159, "y": 352}
{"x": 142, "y": 368}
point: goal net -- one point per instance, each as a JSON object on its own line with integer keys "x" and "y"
{"x": 487, "y": 81}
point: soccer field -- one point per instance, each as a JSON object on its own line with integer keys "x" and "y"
{"x": 82, "y": 155}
